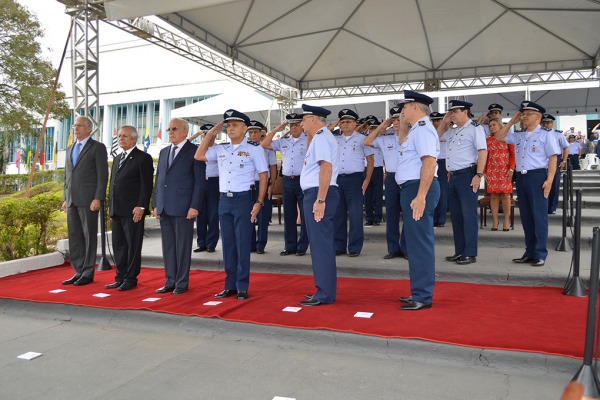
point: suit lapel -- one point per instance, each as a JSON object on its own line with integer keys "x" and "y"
{"x": 182, "y": 150}
{"x": 84, "y": 150}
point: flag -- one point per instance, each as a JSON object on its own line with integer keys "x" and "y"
{"x": 18, "y": 160}
{"x": 159, "y": 137}
{"x": 42, "y": 159}
{"x": 114, "y": 148}
{"x": 146, "y": 140}
{"x": 55, "y": 153}
{"x": 29, "y": 159}
{"x": 70, "y": 139}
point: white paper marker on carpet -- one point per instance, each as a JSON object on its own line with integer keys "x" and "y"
{"x": 57, "y": 291}
{"x": 152, "y": 299}
{"x": 101, "y": 295}
{"x": 212, "y": 303}
{"x": 362, "y": 314}
{"x": 283, "y": 398}
{"x": 291, "y": 309}
{"x": 30, "y": 355}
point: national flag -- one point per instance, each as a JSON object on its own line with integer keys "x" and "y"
{"x": 18, "y": 160}
{"x": 29, "y": 159}
{"x": 114, "y": 148}
{"x": 146, "y": 140}
{"x": 70, "y": 139}
{"x": 55, "y": 152}
{"x": 159, "y": 137}
{"x": 42, "y": 159}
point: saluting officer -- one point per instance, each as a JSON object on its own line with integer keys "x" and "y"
{"x": 441, "y": 211}
{"x": 238, "y": 207}
{"x": 374, "y": 192}
{"x": 561, "y": 160}
{"x": 321, "y": 198}
{"x": 256, "y": 130}
{"x": 387, "y": 142}
{"x": 535, "y": 154}
{"x": 575, "y": 149}
{"x": 466, "y": 155}
{"x": 494, "y": 111}
{"x": 419, "y": 194}
{"x": 207, "y": 222}
{"x": 292, "y": 148}
{"x": 352, "y": 182}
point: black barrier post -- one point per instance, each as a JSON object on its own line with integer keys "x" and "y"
{"x": 575, "y": 286}
{"x": 586, "y": 375}
{"x": 564, "y": 244}
{"x": 103, "y": 264}
{"x": 570, "y": 174}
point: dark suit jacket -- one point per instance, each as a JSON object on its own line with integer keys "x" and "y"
{"x": 130, "y": 186}
{"x": 87, "y": 180}
{"x": 181, "y": 186}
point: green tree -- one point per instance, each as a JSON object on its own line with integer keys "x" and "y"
{"x": 26, "y": 79}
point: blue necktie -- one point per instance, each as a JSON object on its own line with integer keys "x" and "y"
{"x": 76, "y": 151}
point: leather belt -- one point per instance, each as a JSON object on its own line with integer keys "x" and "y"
{"x": 460, "y": 171}
{"x": 235, "y": 194}
{"x": 533, "y": 171}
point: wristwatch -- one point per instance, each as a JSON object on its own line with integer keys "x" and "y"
{"x": 260, "y": 203}
{"x": 320, "y": 201}
{"x": 479, "y": 174}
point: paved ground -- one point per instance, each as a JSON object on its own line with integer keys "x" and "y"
{"x": 101, "y": 354}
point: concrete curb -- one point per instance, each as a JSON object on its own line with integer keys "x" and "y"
{"x": 22, "y": 265}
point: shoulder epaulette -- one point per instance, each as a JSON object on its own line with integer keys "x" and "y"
{"x": 319, "y": 132}
{"x": 421, "y": 123}
{"x": 546, "y": 129}
{"x": 519, "y": 130}
{"x": 475, "y": 123}
{"x": 253, "y": 143}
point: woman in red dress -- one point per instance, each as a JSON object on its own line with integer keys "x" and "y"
{"x": 498, "y": 174}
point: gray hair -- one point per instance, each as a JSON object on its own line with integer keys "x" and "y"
{"x": 183, "y": 122}
{"x": 132, "y": 131}
{"x": 88, "y": 120}
{"x": 322, "y": 119}
{"x": 424, "y": 108}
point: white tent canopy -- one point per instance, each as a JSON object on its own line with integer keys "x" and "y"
{"x": 311, "y": 45}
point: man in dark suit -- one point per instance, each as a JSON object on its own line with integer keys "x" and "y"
{"x": 86, "y": 175}
{"x": 178, "y": 194}
{"x": 128, "y": 201}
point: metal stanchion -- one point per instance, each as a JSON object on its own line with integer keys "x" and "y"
{"x": 570, "y": 173}
{"x": 103, "y": 264}
{"x": 586, "y": 375}
{"x": 565, "y": 244}
{"x": 575, "y": 286}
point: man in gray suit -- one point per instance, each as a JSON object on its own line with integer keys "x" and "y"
{"x": 86, "y": 175}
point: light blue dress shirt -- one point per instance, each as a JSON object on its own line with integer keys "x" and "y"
{"x": 322, "y": 147}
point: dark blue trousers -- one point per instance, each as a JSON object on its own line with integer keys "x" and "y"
{"x": 574, "y": 159}
{"x": 420, "y": 240}
{"x": 177, "y": 235}
{"x": 463, "y": 211}
{"x": 322, "y": 251}
{"x": 207, "y": 222}
{"x": 292, "y": 200}
{"x": 236, "y": 232}
{"x": 349, "y": 209}
{"x": 259, "y": 240}
{"x": 374, "y": 197}
{"x": 533, "y": 207}
{"x": 441, "y": 210}
{"x": 395, "y": 242}
{"x": 555, "y": 191}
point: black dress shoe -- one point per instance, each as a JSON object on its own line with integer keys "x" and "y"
{"x": 165, "y": 289}
{"x": 415, "y": 306}
{"x": 127, "y": 286}
{"x": 522, "y": 260}
{"x": 308, "y": 296}
{"x": 300, "y": 253}
{"x": 310, "y": 302}
{"x": 242, "y": 295}
{"x": 438, "y": 225}
{"x": 199, "y": 249}
{"x": 71, "y": 280}
{"x": 260, "y": 251}
{"x": 179, "y": 291}
{"x": 368, "y": 223}
{"x": 83, "y": 281}
{"x": 376, "y": 223}
{"x": 389, "y": 256}
{"x": 405, "y": 299}
{"x": 210, "y": 250}
{"x": 286, "y": 253}
{"x": 225, "y": 293}
{"x": 454, "y": 257}
{"x": 537, "y": 263}
{"x": 353, "y": 254}
{"x": 463, "y": 260}
{"x": 339, "y": 253}
{"x": 114, "y": 285}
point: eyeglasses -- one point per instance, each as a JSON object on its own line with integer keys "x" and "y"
{"x": 79, "y": 125}
{"x": 174, "y": 129}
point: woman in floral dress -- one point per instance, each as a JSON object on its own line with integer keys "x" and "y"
{"x": 498, "y": 174}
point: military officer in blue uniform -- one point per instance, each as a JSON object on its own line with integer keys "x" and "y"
{"x": 321, "y": 198}
{"x": 240, "y": 201}
{"x": 548, "y": 123}
{"x": 466, "y": 155}
{"x": 256, "y": 132}
{"x": 352, "y": 182}
{"x": 374, "y": 192}
{"x": 207, "y": 222}
{"x": 575, "y": 149}
{"x": 535, "y": 153}
{"x": 441, "y": 211}
{"x": 387, "y": 142}
{"x": 292, "y": 148}
{"x": 494, "y": 111}
{"x": 419, "y": 194}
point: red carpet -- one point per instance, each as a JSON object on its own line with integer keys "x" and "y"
{"x": 532, "y": 319}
